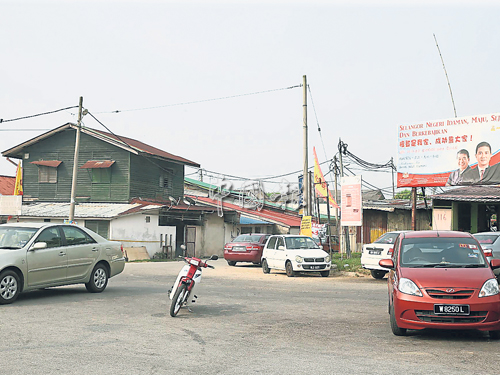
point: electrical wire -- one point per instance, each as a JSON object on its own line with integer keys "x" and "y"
{"x": 39, "y": 114}
{"x": 201, "y": 101}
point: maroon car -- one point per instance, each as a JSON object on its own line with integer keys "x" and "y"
{"x": 245, "y": 248}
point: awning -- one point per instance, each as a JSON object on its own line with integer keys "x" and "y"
{"x": 47, "y": 163}
{"x": 98, "y": 164}
{"x": 248, "y": 220}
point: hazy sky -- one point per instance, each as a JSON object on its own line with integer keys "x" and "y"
{"x": 370, "y": 68}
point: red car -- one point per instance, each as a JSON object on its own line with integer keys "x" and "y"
{"x": 245, "y": 248}
{"x": 442, "y": 280}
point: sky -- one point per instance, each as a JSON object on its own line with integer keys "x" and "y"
{"x": 218, "y": 82}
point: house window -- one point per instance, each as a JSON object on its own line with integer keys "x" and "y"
{"x": 101, "y": 175}
{"x": 47, "y": 174}
{"x": 166, "y": 178}
{"x": 101, "y": 227}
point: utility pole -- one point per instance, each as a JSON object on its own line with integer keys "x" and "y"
{"x": 392, "y": 172}
{"x": 75, "y": 163}
{"x": 346, "y": 229}
{"x": 305, "y": 183}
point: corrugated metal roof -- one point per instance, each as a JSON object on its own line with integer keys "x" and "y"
{"x": 482, "y": 194}
{"x": 248, "y": 220}
{"x": 47, "y": 163}
{"x": 7, "y": 185}
{"x": 394, "y": 204}
{"x": 128, "y": 144}
{"x": 82, "y": 210}
{"x": 98, "y": 164}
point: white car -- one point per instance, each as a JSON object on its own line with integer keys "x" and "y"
{"x": 294, "y": 253}
{"x": 372, "y": 253}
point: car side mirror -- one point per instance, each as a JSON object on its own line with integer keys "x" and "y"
{"x": 495, "y": 263}
{"x": 386, "y": 263}
{"x": 39, "y": 245}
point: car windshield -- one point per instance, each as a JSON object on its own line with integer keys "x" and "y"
{"x": 247, "y": 238}
{"x": 486, "y": 239}
{"x": 441, "y": 252}
{"x": 300, "y": 243}
{"x": 15, "y": 237}
{"x": 387, "y": 238}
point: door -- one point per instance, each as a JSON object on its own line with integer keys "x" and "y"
{"x": 190, "y": 241}
{"x": 269, "y": 251}
{"x": 48, "y": 265}
{"x": 279, "y": 254}
{"x": 82, "y": 251}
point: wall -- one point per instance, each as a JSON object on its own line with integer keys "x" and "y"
{"x": 212, "y": 237}
{"x": 133, "y": 231}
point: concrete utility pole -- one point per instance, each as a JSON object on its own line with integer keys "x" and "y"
{"x": 75, "y": 163}
{"x": 305, "y": 183}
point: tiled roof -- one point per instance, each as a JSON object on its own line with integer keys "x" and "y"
{"x": 482, "y": 194}
{"x": 82, "y": 210}
{"x": 7, "y": 185}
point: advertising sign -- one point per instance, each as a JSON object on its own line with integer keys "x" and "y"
{"x": 450, "y": 152}
{"x": 306, "y": 226}
{"x": 352, "y": 210}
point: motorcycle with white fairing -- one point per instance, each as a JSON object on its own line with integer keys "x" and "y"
{"x": 188, "y": 278}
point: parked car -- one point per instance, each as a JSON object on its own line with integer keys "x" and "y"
{"x": 295, "y": 254}
{"x": 442, "y": 280}
{"x": 324, "y": 243}
{"x": 372, "y": 253}
{"x": 491, "y": 246}
{"x": 245, "y": 248}
{"x": 42, "y": 255}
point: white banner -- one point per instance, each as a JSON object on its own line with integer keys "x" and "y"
{"x": 352, "y": 204}
{"x": 10, "y": 205}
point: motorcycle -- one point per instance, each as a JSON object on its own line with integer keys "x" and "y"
{"x": 188, "y": 278}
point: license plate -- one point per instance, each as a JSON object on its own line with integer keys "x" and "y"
{"x": 315, "y": 267}
{"x": 451, "y": 309}
{"x": 239, "y": 248}
{"x": 374, "y": 252}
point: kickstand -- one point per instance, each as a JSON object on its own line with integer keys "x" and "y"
{"x": 189, "y": 309}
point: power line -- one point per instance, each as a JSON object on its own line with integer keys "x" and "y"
{"x": 38, "y": 114}
{"x": 202, "y": 101}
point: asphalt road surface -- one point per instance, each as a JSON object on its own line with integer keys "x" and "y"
{"x": 244, "y": 322}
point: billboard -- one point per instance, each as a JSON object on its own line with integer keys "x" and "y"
{"x": 351, "y": 206}
{"x": 450, "y": 152}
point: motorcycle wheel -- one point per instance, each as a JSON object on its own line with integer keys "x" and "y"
{"x": 178, "y": 300}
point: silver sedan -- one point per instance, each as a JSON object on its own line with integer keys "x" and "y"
{"x": 42, "y": 255}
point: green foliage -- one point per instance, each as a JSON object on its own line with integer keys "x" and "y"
{"x": 353, "y": 264}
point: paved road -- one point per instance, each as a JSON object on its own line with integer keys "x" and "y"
{"x": 244, "y": 322}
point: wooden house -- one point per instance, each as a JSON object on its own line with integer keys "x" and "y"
{"x": 111, "y": 168}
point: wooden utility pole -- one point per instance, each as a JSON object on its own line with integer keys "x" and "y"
{"x": 75, "y": 163}
{"x": 305, "y": 184}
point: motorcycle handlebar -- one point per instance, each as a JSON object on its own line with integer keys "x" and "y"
{"x": 209, "y": 266}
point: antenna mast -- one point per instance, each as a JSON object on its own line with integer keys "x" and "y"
{"x": 449, "y": 86}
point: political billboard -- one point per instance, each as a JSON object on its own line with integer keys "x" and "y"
{"x": 450, "y": 152}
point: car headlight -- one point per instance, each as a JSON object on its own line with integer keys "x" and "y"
{"x": 407, "y": 286}
{"x": 327, "y": 259}
{"x": 299, "y": 259}
{"x": 490, "y": 288}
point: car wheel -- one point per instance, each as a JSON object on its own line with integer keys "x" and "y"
{"x": 265, "y": 267}
{"x": 377, "y": 274}
{"x": 494, "y": 335}
{"x": 289, "y": 269}
{"x": 9, "y": 287}
{"x": 394, "y": 325}
{"x": 98, "y": 279}
{"x": 325, "y": 273}
{"x": 231, "y": 263}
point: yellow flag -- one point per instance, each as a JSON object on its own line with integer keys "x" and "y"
{"x": 320, "y": 182}
{"x": 18, "y": 187}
